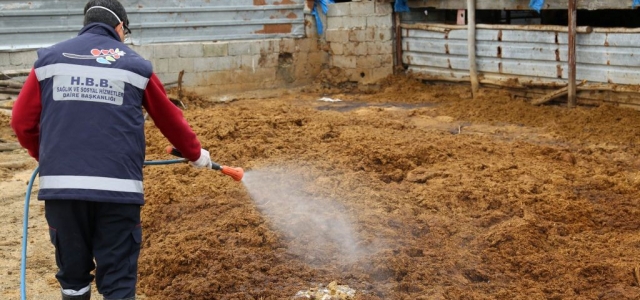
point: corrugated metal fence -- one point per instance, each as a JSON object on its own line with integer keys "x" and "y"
{"x": 34, "y": 24}
{"x": 537, "y": 56}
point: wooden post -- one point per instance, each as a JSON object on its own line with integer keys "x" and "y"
{"x": 398, "y": 41}
{"x": 471, "y": 39}
{"x": 180, "y": 84}
{"x": 571, "y": 93}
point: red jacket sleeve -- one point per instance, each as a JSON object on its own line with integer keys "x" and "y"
{"x": 25, "y": 115}
{"x": 169, "y": 119}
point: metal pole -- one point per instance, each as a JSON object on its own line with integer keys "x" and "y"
{"x": 471, "y": 38}
{"x": 571, "y": 95}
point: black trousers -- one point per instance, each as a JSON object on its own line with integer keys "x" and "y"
{"x": 110, "y": 233}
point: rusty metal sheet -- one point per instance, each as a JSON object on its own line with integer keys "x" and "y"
{"x": 35, "y": 24}
{"x": 521, "y": 4}
{"x": 600, "y": 73}
{"x": 606, "y": 39}
{"x": 608, "y": 56}
{"x": 521, "y": 51}
{"x": 525, "y": 51}
{"x": 440, "y": 72}
{"x": 601, "y": 57}
{"x": 481, "y": 34}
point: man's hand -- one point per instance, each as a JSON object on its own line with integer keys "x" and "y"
{"x": 204, "y": 161}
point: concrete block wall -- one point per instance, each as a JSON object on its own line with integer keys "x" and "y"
{"x": 224, "y": 66}
{"x": 230, "y": 66}
{"x": 359, "y": 36}
{"x": 17, "y": 60}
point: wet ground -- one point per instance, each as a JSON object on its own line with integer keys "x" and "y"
{"x": 447, "y": 197}
{"x": 406, "y": 191}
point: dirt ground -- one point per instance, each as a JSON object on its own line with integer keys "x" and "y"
{"x": 407, "y": 190}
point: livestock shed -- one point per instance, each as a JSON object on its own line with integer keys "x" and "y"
{"x": 589, "y": 48}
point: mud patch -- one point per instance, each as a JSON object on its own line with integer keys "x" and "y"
{"x": 521, "y": 200}
{"x": 518, "y": 201}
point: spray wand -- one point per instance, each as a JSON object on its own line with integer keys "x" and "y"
{"x": 235, "y": 173}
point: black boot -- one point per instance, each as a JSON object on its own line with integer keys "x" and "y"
{"x": 85, "y": 296}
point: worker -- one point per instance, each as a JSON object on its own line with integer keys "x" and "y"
{"x": 80, "y": 116}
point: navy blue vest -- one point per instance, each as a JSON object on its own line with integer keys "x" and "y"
{"x": 92, "y": 140}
